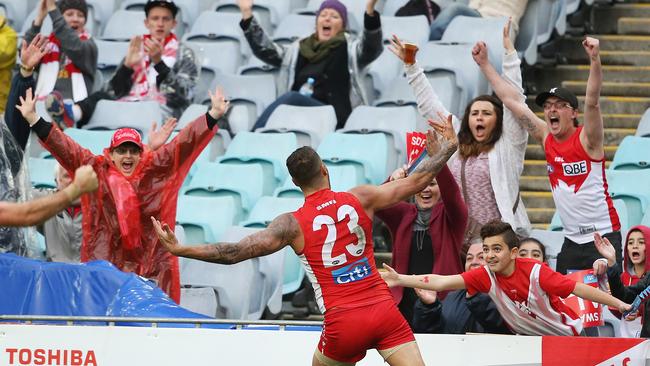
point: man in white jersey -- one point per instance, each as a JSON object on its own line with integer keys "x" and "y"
{"x": 526, "y": 292}
{"x": 575, "y": 158}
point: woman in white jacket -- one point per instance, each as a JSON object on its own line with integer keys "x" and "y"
{"x": 492, "y": 145}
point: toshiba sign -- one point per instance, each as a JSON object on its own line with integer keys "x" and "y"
{"x": 44, "y": 356}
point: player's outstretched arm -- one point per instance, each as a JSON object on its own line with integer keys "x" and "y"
{"x": 427, "y": 282}
{"x": 441, "y": 145}
{"x": 282, "y": 231}
{"x": 509, "y": 95}
{"x": 591, "y": 293}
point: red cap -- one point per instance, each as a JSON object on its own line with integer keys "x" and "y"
{"x": 126, "y": 135}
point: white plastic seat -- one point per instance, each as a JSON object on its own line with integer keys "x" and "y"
{"x": 124, "y": 25}
{"x": 294, "y": 26}
{"x": 310, "y": 124}
{"x": 213, "y": 26}
{"x": 368, "y": 152}
{"x": 110, "y": 114}
{"x": 215, "y": 57}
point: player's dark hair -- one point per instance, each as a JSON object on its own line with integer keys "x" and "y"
{"x": 500, "y": 228}
{"x": 541, "y": 245}
{"x": 304, "y": 166}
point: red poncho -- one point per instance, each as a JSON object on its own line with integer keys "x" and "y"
{"x": 116, "y": 224}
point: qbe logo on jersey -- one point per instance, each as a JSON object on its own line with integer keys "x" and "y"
{"x": 356, "y": 271}
{"x": 573, "y": 169}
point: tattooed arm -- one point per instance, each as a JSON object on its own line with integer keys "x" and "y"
{"x": 509, "y": 95}
{"x": 374, "y": 198}
{"x": 282, "y": 231}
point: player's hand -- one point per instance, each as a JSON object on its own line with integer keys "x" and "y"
{"x": 27, "y": 107}
{"x": 85, "y": 179}
{"x": 390, "y": 276}
{"x": 399, "y": 173}
{"x": 158, "y": 137}
{"x": 166, "y": 236}
{"x": 605, "y": 248}
{"x": 480, "y": 53}
{"x": 218, "y": 103}
{"x": 600, "y": 267}
{"x": 427, "y": 297}
{"x": 507, "y": 41}
{"x": 592, "y": 47}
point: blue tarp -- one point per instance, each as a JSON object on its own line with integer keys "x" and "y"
{"x": 32, "y": 287}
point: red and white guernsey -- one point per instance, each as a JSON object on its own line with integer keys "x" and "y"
{"x": 579, "y": 189}
{"x": 529, "y": 299}
{"x": 338, "y": 254}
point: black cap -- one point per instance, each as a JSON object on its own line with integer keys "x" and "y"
{"x": 562, "y": 93}
{"x": 168, "y": 4}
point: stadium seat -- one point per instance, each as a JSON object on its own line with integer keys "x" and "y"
{"x": 232, "y": 284}
{"x": 216, "y": 57}
{"x": 631, "y": 186}
{"x": 46, "y": 27}
{"x": 556, "y": 223}
{"x": 202, "y": 300}
{"x": 632, "y": 153}
{"x": 413, "y": 29}
{"x": 268, "y": 208}
{"x": 101, "y": 11}
{"x": 398, "y": 93}
{"x": 189, "y": 11}
{"x": 41, "y": 172}
{"x": 255, "y": 66}
{"x": 368, "y": 152}
{"x": 526, "y": 41}
{"x": 221, "y": 140}
{"x": 124, "y": 25}
{"x": 392, "y": 6}
{"x": 213, "y": 26}
{"x": 294, "y": 26}
{"x": 470, "y": 30}
{"x": 95, "y": 141}
{"x": 109, "y": 56}
{"x": 294, "y": 272}
{"x": 548, "y": 13}
{"x": 552, "y": 241}
{"x": 267, "y": 12}
{"x": 268, "y": 149}
{"x": 15, "y": 11}
{"x": 244, "y": 182}
{"x": 205, "y": 219}
{"x": 111, "y": 115}
{"x": 310, "y": 124}
{"x": 380, "y": 74}
{"x": 643, "y": 129}
{"x": 395, "y": 122}
{"x": 249, "y": 95}
{"x": 270, "y": 269}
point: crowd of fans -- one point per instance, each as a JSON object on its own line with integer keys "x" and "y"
{"x": 442, "y": 227}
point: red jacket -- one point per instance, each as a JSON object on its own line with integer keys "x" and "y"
{"x": 116, "y": 225}
{"x": 446, "y": 228}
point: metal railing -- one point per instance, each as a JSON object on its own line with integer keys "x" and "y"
{"x": 116, "y": 320}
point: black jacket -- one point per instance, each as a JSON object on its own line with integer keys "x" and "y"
{"x": 627, "y": 294}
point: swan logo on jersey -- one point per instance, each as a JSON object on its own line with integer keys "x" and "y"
{"x": 573, "y": 169}
{"x": 356, "y": 271}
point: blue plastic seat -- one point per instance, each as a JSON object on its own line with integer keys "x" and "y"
{"x": 369, "y": 151}
{"x": 41, "y": 172}
{"x": 270, "y": 150}
{"x": 268, "y": 208}
{"x": 342, "y": 178}
{"x": 244, "y": 182}
{"x": 633, "y": 187}
{"x": 632, "y": 153}
{"x": 643, "y": 129}
{"x": 205, "y": 219}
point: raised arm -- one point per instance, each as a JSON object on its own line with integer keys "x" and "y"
{"x": 37, "y": 211}
{"x": 370, "y": 45}
{"x": 514, "y": 131}
{"x": 510, "y": 95}
{"x": 429, "y": 105}
{"x": 282, "y": 231}
{"x": 592, "y": 134}
{"x": 261, "y": 45}
{"x": 373, "y": 198}
{"x": 427, "y": 281}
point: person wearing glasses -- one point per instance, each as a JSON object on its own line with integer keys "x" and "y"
{"x": 575, "y": 158}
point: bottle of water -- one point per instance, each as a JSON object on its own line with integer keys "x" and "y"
{"x": 307, "y": 89}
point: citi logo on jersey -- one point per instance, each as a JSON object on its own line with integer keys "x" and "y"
{"x": 573, "y": 169}
{"x": 356, "y": 271}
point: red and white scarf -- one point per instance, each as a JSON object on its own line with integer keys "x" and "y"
{"x": 50, "y": 70}
{"x": 144, "y": 74}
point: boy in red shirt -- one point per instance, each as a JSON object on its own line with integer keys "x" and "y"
{"x": 527, "y": 293}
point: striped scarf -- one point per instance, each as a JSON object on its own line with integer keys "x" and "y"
{"x": 144, "y": 74}
{"x": 50, "y": 70}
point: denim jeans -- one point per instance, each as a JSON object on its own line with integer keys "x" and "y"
{"x": 447, "y": 14}
{"x": 290, "y": 98}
